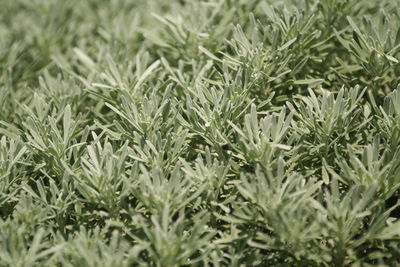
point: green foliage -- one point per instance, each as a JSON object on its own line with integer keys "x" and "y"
{"x": 199, "y": 133}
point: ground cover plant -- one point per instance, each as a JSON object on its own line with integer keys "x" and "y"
{"x": 199, "y": 133}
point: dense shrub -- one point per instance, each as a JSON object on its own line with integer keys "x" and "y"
{"x": 205, "y": 133}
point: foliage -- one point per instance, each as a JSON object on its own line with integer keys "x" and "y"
{"x": 204, "y": 133}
